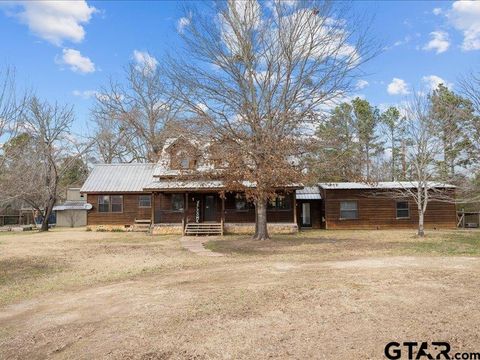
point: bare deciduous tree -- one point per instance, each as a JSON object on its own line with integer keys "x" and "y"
{"x": 141, "y": 112}
{"x": 112, "y": 140}
{"x": 255, "y": 75}
{"x": 39, "y": 158}
{"x": 470, "y": 88}
{"x": 11, "y": 106}
{"x": 424, "y": 149}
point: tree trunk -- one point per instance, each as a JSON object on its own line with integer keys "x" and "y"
{"x": 404, "y": 161}
{"x": 393, "y": 155}
{"x": 47, "y": 213}
{"x": 261, "y": 232}
{"x": 421, "y": 230}
{"x": 368, "y": 163}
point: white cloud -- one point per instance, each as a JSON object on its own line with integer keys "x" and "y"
{"x": 55, "y": 21}
{"x": 76, "y": 61}
{"x": 432, "y": 82}
{"x": 85, "y": 94}
{"x": 401, "y": 42}
{"x": 271, "y": 3}
{"x": 361, "y": 84}
{"x": 316, "y": 31}
{"x": 144, "y": 61}
{"x": 202, "y": 107}
{"x": 182, "y": 23}
{"x": 398, "y": 87}
{"x": 465, "y": 16}
{"x": 437, "y": 11}
{"x": 247, "y": 12}
{"x": 439, "y": 42}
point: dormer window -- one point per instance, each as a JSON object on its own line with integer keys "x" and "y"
{"x": 183, "y": 156}
{"x": 184, "y": 163}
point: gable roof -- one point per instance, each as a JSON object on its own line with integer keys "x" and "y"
{"x": 118, "y": 178}
{"x": 380, "y": 185}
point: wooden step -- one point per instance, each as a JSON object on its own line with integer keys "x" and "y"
{"x": 142, "y": 221}
{"x": 203, "y": 229}
{"x": 142, "y": 225}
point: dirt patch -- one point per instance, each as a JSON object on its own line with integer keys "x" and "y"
{"x": 342, "y": 298}
{"x": 14, "y": 270}
{"x": 405, "y": 262}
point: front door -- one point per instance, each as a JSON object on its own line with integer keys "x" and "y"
{"x": 210, "y": 208}
{"x": 306, "y": 219}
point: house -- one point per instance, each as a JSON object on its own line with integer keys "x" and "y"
{"x": 353, "y": 205}
{"x": 73, "y": 212}
{"x": 135, "y": 196}
{"x": 128, "y": 196}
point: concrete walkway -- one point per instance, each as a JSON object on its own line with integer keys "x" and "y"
{"x": 195, "y": 245}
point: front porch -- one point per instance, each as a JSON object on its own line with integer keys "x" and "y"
{"x": 216, "y": 213}
{"x": 228, "y": 228}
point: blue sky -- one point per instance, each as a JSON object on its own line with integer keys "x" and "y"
{"x": 66, "y": 51}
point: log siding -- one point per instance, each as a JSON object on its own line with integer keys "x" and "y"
{"x": 131, "y": 211}
{"x": 377, "y": 212}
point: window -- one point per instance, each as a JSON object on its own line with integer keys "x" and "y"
{"x": 184, "y": 163}
{"x": 110, "y": 203}
{"x": 117, "y": 203}
{"x": 348, "y": 210}
{"x": 103, "y": 203}
{"x": 144, "y": 201}
{"x": 403, "y": 210}
{"x": 281, "y": 202}
{"x": 240, "y": 202}
{"x": 177, "y": 202}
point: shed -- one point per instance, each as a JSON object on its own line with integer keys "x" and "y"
{"x": 73, "y": 212}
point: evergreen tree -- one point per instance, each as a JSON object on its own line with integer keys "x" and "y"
{"x": 337, "y": 145}
{"x": 454, "y": 116}
{"x": 396, "y": 142}
{"x": 366, "y": 121}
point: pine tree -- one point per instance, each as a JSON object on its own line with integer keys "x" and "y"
{"x": 337, "y": 145}
{"x": 453, "y": 116}
{"x": 366, "y": 121}
{"x": 396, "y": 142}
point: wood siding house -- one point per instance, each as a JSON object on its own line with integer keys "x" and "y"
{"x": 378, "y": 206}
{"x": 125, "y": 195}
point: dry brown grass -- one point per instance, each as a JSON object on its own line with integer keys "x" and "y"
{"x": 330, "y": 294}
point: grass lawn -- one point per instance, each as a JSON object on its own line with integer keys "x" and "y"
{"x": 319, "y": 294}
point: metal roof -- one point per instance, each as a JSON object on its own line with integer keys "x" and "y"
{"x": 181, "y": 185}
{"x": 118, "y": 178}
{"x": 195, "y": 185}
{"x": 71, "y": 205}
{"x": 308, "y": 193}
{"x": 380, "y": 185}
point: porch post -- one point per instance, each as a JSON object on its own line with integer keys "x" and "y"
{"x": 222, "y": 196}
{"x": 152, "y": 204}
{"x": 185, "y": 208}
{"x": 294, "y": 207}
